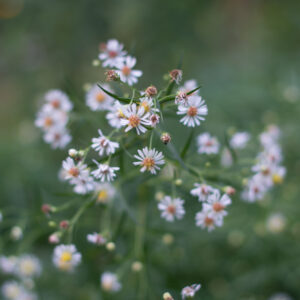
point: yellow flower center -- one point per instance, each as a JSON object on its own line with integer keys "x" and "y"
{"x": 102, "y": 196}
{"x": 277, "y": 179}
{"x": 100, "y": 97}
{"x": 66, "y": 257}
{"x": 146, "y": 106}
{"x": 148, "y": 162}
{"x": 134, "y": 121}
{"x": 48, "y": 122}
{"x": 120, "y": 113}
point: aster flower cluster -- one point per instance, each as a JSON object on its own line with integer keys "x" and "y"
{"x": 25, "y": 268}
{"x": 53, "y": 117}
{"x": 139, "y": 153}
{"x": 267, "y": 170}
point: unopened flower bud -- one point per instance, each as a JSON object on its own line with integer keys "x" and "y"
{"x": 176, "y": 75}
{"x": 54, "y": 238}
{"x": 72, "y": 152}
{"x": 168, "y": 239}
{"x": 159, "y": 196}
{"x": 64, "y": 224}
{"x": 46, "y": 209}
{"x": 16, "y": 233}
{"x": 136, "y": 266}
{"x": 229, "y": 190}
{"x": 178, "y": 181}
{"x": 95, "y": 63}
{"x": 165, "y": 138}
{"x": 167, "y": 296}
{"x": 81, "y": 153}
{"x": 111, "y": 75}
{"x": 110, "y": 246}
{"x": 151, "y": 91}
{"x": 52, "y": 224}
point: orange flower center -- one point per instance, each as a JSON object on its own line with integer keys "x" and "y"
{"x": 56, "y": 103}
{"x": 208, "y": 221}
{"x": 218, "y": 207}
{"x": 112, "y": 54}
{"x": 126, "y": 70}
{"x": 209, "y": 143}
{"x": 100, "y": 97}
{"x": 74, "y": 172}
{"x": 192, "y": 111}
{"x": 148, "y": 162}
{"x": 134, "y": 121}
{"x": 171, "y": 209}
{"x": 48, "y": 122}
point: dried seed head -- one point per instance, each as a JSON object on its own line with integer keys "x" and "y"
{"x": 64, "y": 224}
{"x": 229, "y": 190}
{"x": 46, "y": 209}
{"x": 165, "y": 138}
{"x": 151, "y": 91}
{"x": 111, "y": 75}
{"x": 176, "y": 75}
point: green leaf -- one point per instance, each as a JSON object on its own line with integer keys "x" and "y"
{"x": 121, "y": 99}
{"x": 187, "y": 145}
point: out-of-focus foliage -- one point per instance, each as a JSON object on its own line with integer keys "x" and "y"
{"x": 245, "y": 54}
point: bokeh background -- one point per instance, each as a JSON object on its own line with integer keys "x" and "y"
{"x": 245, "y": 54}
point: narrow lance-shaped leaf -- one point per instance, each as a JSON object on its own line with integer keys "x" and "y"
{"x": 121, "y": 99}
{"x": 187, "y": 145}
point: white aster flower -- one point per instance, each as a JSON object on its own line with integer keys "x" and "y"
{"x": 190, "y": 291}
{"x": 125, "y": 71}
{"x": 112, "y": 53}
{"x": 207, "y": 144}
{"x": 28, "y": 266}
{"x": 149, "y": 159}
{"x": 47, "y": 119}
{"x": 148, "y": 105}
{"x": 154, "y": 119}
{"x": 271, "y": 154}
{"x": 12, "y": 290}
{"x": 171, "y": 209}
{"x": 57, "y": 137}
{"x": 135, "y": 117}
{"x": 104, "y": 172}
{"x": 16, "y": 233}
{"x": 84, "y": 183}
{"x": 57, "y": 100}
{"x": 116, "y": 114}
{"x": 270, "y": 136}
{"x": 110, "y": 282}
{"x": 255, "y": 189}
{"x": 239, "y": 140}
{"x": 72, "y": 170}
{"x": 8, "y": 264}
{"x": 217, "y": 204}
{"x": 104, "y": 192}
{"x": 96, "y": 238}
{"x": 104, "y": 145}
{"x": 202, "y": 191}
{"x": 207, "y": 219}
{"x": 66, "y": 257}
{"x": 96, "y": 99}
{"x": 193, "y": 112}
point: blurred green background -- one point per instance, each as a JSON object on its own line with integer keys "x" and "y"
{"x": 245, "y": 54}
